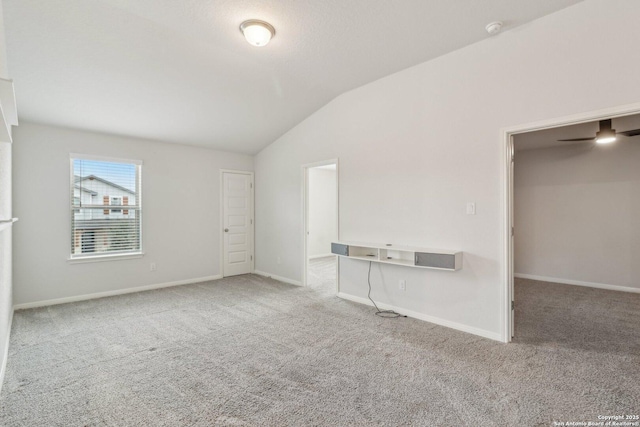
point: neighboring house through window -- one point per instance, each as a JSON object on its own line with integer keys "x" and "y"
{"x": 100, "y": 189}
{"x": 116, "y": 201}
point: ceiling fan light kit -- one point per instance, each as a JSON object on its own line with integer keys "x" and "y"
{"x": 606, "y": 134}
{"x": 258, "y": 33}
{"x": 605, "y": 139}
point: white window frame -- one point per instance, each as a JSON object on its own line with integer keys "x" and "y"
{"x": 105, "y": 256}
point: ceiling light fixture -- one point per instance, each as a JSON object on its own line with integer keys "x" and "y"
{"x": 258, "y": 33}
{"x": 605, "y": 135}
{"x": 493, "y": 28}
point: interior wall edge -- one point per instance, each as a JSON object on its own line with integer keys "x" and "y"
{"x": 85, "y": 297}
{"x": 425, "y": 317}
{"x": 278, "y": 278}
{"x": 577, "y": 283}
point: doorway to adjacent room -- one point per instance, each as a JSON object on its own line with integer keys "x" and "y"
{"x": 321, "y": 225}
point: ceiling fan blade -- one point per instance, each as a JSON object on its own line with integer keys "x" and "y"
{"x": 632, "y": 132}
{"x": 578, "y": 139}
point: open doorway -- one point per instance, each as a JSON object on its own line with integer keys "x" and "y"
{"x": 576, "y": 232}
{"x": 321, "y": 225}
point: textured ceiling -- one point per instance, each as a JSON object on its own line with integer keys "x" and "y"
{"x": 549, "y": 137}
{"x": 180, "y": 71}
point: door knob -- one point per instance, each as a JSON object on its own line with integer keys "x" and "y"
{"x": 226, "y": 230}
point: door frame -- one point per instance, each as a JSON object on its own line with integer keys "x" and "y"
{"x": 252, "y": 214}
{"x": 507, "y": 151}
{"x": 305, "y": 214}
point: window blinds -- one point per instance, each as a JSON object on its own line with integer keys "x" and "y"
{"x": 106, "y": 212}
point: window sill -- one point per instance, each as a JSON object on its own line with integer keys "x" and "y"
{"x": 101, "y": 258}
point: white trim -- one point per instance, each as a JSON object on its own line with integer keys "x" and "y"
{"x": 578, "y": 283}
{"x": 431, "y": 319}
{"x": 507, "y": 192}
{"x": 321, "y": 256}
{"x": 101, "y": 258}
{"x": 5, "y": 356}
{"x": 104, "y": 158}
{"x": 7, "y": 223}
{"x": 305, "y": 214}
{"x": 253, "y": 217}
{"x": 85, "y": 297}
{"x": 278, "y": 278}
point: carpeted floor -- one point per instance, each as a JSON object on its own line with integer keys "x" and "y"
{"x": 321, "y": 274}
{"x": 253, "y": 351}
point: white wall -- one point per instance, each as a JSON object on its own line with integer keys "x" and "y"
{"x": 322, "y": 211}
{"x": 180, "y": 219}
{"x": 577, "y": 213}
{"x": 415, "y": 146}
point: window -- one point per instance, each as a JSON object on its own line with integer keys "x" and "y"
{"x": 100, "y": 191}
{"x": 116, "y": 201}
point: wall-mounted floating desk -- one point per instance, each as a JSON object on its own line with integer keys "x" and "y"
{"x": 400, "y": 255}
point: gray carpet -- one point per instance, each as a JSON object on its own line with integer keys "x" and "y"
{"x": 321, "y": 274}
{"x": 253, "y": 351}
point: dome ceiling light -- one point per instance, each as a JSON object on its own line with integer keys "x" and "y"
{"x": 258, "y": 33}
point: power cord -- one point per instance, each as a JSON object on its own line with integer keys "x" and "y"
{"x": 388, "y": 314}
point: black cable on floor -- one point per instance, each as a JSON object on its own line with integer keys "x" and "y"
{"x": 389, "y": 314}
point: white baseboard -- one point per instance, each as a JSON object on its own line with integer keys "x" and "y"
{"x": 431, "y": 319}
{"x": 321, "y": 256}
{"x": 577, "y": 283}
{"x": 85, "y": 297}
{"x": 5, "y": 356}
{"x": 278, "y": 278}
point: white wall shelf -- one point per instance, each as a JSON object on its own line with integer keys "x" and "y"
{"x": 8, "y": 109}
{"x": 400, "y": 255}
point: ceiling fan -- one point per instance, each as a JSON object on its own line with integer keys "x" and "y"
{"x": 606, "y": 134}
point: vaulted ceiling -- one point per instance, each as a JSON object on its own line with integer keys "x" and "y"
{"x": 180, "y": 71}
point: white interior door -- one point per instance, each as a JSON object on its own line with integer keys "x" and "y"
{"x": 237, "y": 215}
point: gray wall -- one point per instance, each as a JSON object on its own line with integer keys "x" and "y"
{"x": 180, "y": 219}
{"x": 5, "y": 212}
{"x": 6, "y": 297}
{"x": 577, "y": 213}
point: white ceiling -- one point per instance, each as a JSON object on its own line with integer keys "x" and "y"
{"x": 180, "y": 71}
{"x": 549, "y": 137}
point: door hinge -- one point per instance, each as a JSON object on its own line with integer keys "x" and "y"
{"x": 251, "y": 221}
{"x": 513, "y": 305}
{"x": 251, "y": 185}
{"x": 251, "y": 257}
{"x": 512, "y": 232}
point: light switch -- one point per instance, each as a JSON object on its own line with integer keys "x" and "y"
{"x": 471, "y": 208}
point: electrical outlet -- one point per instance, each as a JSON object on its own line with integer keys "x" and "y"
{"x": 402, "y": 285}
{"x": 153, "y": 267}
